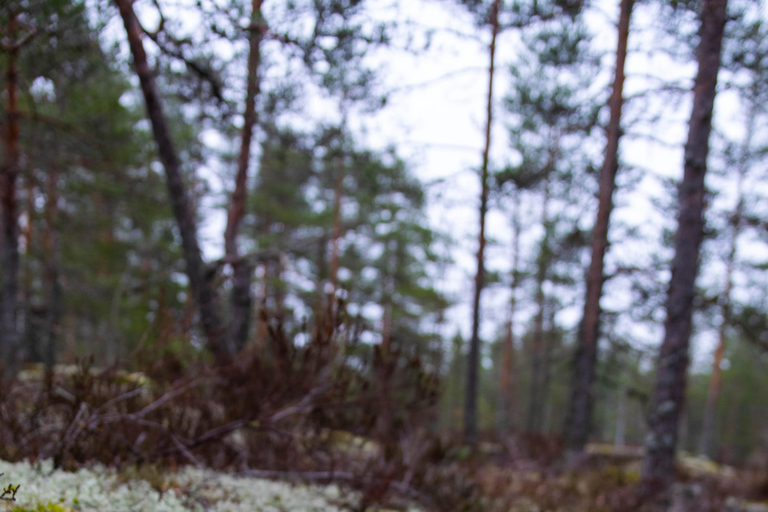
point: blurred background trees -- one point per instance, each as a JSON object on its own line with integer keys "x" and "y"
{"x": 267, "y": 104}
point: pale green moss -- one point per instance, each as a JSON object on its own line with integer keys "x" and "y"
{"x": 50, "y": 507}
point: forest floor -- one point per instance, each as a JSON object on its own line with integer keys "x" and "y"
{"x": 606, "y": 479}
{"x": 97, "y": 424}
{"x": 100, "y": 489}
{"x": 603, "y": 483}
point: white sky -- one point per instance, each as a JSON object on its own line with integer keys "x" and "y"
{"x": 436, "y": 116}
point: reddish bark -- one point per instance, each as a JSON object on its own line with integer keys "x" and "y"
{"x": 579, "y": 414}
{"x": 669, "y": 394}
{"x": 241, "y": 300}
{"x": 708, "y": 426}
{"x": 473, "y": 360}
{"x": 201, "y": 287}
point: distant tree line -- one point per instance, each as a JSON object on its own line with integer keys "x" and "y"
{"x": 110, "y": 151}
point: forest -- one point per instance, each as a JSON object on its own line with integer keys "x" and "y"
{"x": 423, "y": 255}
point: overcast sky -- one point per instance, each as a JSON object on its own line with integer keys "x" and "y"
{"x": 435, "y": 117}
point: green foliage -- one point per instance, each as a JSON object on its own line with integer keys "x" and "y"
{"x": 49, "y": 507}
{"x": 102, "y": 224}
{"x": 740, "y": 415}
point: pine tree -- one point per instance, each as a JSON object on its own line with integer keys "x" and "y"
{"x": 577, "y": 426}
{"x": 241, "y": 303}
{"x": 551, "y": 117}
{"x": 18, "y": 35}
{"x": 669, "y": 393}
{"x": 200, "y": 284}
{"x": 744, "y": 51}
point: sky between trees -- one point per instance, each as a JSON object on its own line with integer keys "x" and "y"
{"x": 346, "y": 183}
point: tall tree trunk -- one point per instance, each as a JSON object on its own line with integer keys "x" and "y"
{"x": 579, "y": 414}
{"x": 621, "y": 417}
{"x": 9, "y": 335}
{"x": 708, "y": 426}
{"x": 242, "y": 270}
{"x": 669, "y": 394}
{"x": 546, "y": 366}
{"x": 202, "y": 290}
{"x": 262, "y": 331}
{"x": 508, "y": 380}
{"x": 536, "y": 396}
{"x": 32, "y": 351}
{"x": 333, "y": 270}
{"x": 331, "y": 314}
{"x": 473, "y": 360}
{"x": 388, "y": 284}
{"x": 281, "y": 264}
{"x": 262, "y": 299}
{"x": 52, "y": 248}
{"x": 322, "y": 275}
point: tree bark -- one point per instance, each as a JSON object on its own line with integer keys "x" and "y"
{"x": 29, "y": 347}
{"x": 241, "y": 300}
{"x": 473, "y": 361}
{"x": 579, "y": 414}
{"x": 9, "y": 335}
{"x": 262, "y": 330}
{"x": 621, "y": 417}
{"x": 669, "y": 394}
{"x": 333, "y": 267}
{"x": 52, "y": 248}
{"x": 200, "y": 285}
{"x": 338, "y": 193}
{"x": 548, "y": 336}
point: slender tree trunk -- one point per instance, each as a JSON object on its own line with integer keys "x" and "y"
{"x": 548, "y": 335}
{"x": 330, "y": 319}
{"x": 52, "y": 248}
{"x": 9, "y": 335}
{"x": 669, "y": 394}
{"x": 536, "y": 397}
{"x": 261, "y": 309}
{"x": 279, "y": 285}
{"x": 31, "y": 344}
{"x": 473, "y": 360}
{"x": 708, "y": 427}
{"x": 579, "y": 414}
{"x": 621, "y": 417}
{"x": 388, "y": 292}
{"x": 242, "y": 302}
{"x": 321, "y": 261}
{"x": 333, "y": 271}
{"x": 262, "y": 300}
{"x": 508, "y": 379}
{"x": 202, "y": 290}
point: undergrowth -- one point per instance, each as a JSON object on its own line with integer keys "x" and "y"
{"x": 325, "y": 411}
{"x": 328, "y": 411}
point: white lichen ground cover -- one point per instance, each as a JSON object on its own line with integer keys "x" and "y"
{"x": 103, "y": 490}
